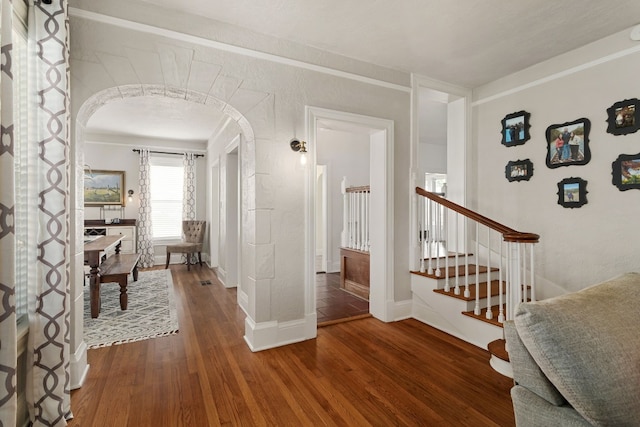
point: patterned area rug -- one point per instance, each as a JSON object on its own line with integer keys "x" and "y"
{"x": 151, "y": 311}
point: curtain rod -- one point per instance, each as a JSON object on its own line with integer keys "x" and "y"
{"x": 137, "y": 150}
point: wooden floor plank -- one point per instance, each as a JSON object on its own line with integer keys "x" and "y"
{"x": 358, "y": 373}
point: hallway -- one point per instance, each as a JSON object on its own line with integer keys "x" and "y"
{"x": 334, "y": 305}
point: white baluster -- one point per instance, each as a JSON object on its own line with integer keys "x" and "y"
{"x": 476, "y": 310}
{"x": 447, "y": 285}
{"x": 429, "y": 235}
{"x": 532, "y": 280}
{"x": 344, "y": 240}
{"x": 500, "y": 288}
{"x": 438, "y": 237}
{"x": 421, "y": 209}
{"x": 466, "y": 292}
{"x": 456, "y": 290}
{"x": 489, "y": 314}
{"x": 367, "y": 199}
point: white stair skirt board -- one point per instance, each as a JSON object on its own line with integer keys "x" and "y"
{"x": 445, "y": 313}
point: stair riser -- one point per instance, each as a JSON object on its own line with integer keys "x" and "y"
{"x": 482, "y": 277}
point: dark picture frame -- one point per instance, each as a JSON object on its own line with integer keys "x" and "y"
{"x": 572, "y": 192}
{"x": 519, "y": 170}
{"x": 103, "y": 187}
{"x": 568, "y": 143}
{"x": 515, "y": 128}
{"x": 626, "y": 172}
{"x": 623, "y": 118}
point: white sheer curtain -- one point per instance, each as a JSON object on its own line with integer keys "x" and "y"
{"x": 145, "y": 230}
{"x": 8, "y": 349}
{"x": 47, "y": 385}
{"x": 189, "y": 192}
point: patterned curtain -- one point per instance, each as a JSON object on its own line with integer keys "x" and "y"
{"x": 189, "y": 193}
{"x": 8, "y": 351}
{"x": 49, "y": 314}
{"x": 145, "y": 232}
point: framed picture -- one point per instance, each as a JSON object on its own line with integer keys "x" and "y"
{"x": 623, "y": 117}
{"x": 568, "y": 143}
{"x": 103, "y": 187}
{"x": 626, "y": 172}
{"x": 515, "y": 128}
{"x": 519, "y": 170}
{"x": 572, "y": 192}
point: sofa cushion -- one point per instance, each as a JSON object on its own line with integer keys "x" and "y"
{"x": 526, "y": 371}
{"x": 588, "y": 344}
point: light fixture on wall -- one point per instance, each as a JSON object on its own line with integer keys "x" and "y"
{"x": 300, "y": 146}
{"x": 130, "y": 193}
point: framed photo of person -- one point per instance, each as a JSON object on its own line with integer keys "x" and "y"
{"x": 515, "y": 128}
{"x": 568, "y": 143}
{"x": 626, "y": 172}
{"x": 519, "y": 170}
{"x": 572, "y": 192}
{"x": 623, "y": 117}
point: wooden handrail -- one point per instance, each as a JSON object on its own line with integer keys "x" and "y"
{"x": 509, "y": 234}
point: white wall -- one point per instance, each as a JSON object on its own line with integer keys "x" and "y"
{"x": 346, "y": 154}
{"x": 578, "y": 247}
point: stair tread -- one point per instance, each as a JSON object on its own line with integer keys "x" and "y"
{"x": 483, "y": 312}
{"x": 498, "y": 349}
{"x": 495, "y": 290}
{"x": 453, "y": 273}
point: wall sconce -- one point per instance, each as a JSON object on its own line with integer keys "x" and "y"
{"x": 301, "y": 147}
{"x": 130, "y": 193}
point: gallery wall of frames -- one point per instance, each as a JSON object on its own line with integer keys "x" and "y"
{"x": 568, "y": 145}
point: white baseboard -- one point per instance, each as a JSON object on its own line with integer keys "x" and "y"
{"x": 266, "y": 335}
{"x": 78, "y": 366}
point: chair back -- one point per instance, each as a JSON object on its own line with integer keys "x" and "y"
{"x": 193, "y": 231}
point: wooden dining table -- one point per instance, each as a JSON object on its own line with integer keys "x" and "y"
{"x": 93, "y": 250}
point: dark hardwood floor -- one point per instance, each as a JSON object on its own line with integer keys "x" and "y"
{"x": 335, "y": 305}
{"x": 358, "y": 373}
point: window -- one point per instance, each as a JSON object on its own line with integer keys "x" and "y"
{"x": 24, "y": 177}
{"x": 166, "y": 176}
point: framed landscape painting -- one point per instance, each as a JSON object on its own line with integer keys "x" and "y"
{"x": 102, "y": 187}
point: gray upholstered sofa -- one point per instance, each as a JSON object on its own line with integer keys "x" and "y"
{"x": 576, "y": 358}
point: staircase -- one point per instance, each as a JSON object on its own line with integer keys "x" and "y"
{"x": 469, "y": 295}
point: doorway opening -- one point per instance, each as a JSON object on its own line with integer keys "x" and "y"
{"x": 336, "y": 139}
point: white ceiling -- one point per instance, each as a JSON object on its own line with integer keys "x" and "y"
{"x": 463, "y": 42}
{"x": 155, "y": 117}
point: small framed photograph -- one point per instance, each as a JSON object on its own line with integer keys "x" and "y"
{"x": 623, "y": 117}
{"x": 519, "y": 170}
{"x": 515, "y": 128}
{"x": 626, "y": 172}
{"x": 102, "y": 187}
{"x": 568, "y": 143}
{"x": 572, "y": 192}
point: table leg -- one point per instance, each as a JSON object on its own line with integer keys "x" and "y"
{"x": 124, "y": 299}
{"x": 94, "y": 284}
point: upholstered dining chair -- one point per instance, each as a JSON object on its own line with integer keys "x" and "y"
{"x": 192, "y": 238}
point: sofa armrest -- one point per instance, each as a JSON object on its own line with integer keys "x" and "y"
{"x": 526, "y": 371}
